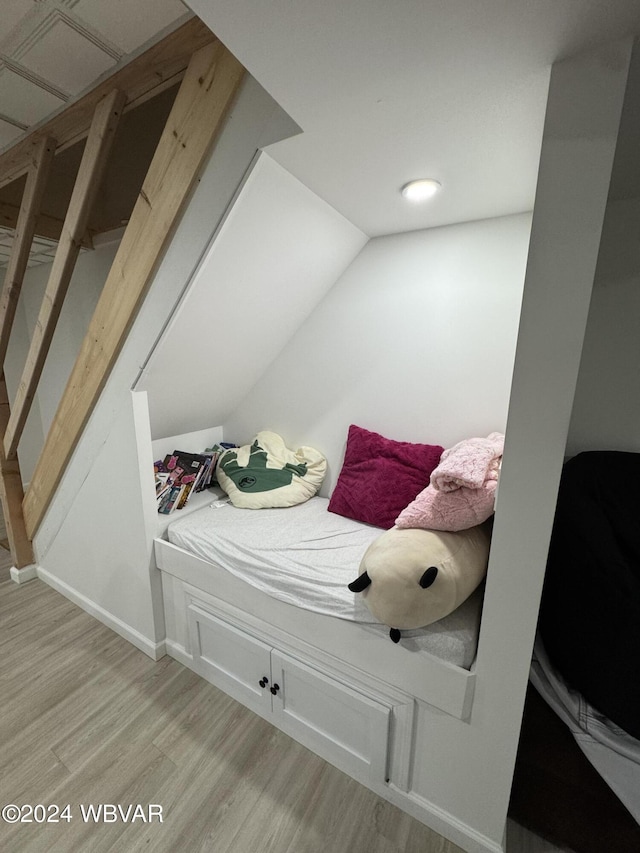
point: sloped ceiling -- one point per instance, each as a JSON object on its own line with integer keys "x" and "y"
{"x": 242, "y": 306}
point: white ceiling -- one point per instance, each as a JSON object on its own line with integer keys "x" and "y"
{"x": 385, "y": 90}
{"x": 52, "y": 50}
{"x": 390, "y": 90}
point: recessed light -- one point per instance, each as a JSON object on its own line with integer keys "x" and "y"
{"x": 420, "y": 190}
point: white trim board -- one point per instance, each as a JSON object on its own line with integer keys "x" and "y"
{"x": 155, "y": 650}
{"x": 26, "y": 573}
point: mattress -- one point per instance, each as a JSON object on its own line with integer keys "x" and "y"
{"x": 306, "y": 557}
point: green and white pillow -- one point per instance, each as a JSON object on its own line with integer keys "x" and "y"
{"x": 266, "y": 473}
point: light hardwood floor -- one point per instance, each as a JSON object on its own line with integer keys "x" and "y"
{"x": 88, "y": 719}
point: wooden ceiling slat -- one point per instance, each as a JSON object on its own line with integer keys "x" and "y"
{"x": 94, "y": 159}
{"x": 25, "y": 230}
{"x": 11, "y": 490}
{"x": 150, "y": 73}
{"x": 12, "y": 493}
{"x": 48, "y": 227}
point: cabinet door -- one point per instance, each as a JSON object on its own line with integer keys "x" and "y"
{"x": 231, "y": 659}
{"x": 337, "y": 722}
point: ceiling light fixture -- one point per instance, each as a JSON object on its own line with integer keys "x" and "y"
{"x": 420, "y": 190}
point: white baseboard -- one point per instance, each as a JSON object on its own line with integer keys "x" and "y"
{"x": 153, "y": 649}
{"x": 175, "y": 650}
{"x": 442, "y": 822}
{"x": 26, "y": 573}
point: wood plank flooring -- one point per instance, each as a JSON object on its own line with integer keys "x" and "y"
{"x": 85, "y": 718}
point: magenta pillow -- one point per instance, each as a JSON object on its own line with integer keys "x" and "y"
{"x": 380, "y": 477}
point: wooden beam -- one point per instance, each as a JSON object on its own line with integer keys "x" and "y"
{"x": 49, "y": 227}
{"x": 85, "y": 190}
{"x": 196, "y": 118}
{"x": 153, "y": 71}
{"x": 12, "y": 495}
{"x": 25, "y": 228}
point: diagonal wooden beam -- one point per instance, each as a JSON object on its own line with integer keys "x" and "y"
{"x": 196, "y": 118}
{"x": 85, "y": 190}
{"x": 25, "y": 228}
{"x": 11, "y": 494}
{"x": 158, "y": 68}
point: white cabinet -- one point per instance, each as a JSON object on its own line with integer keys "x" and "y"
{"x": 365, "y": 734}
{"x": 342, "y": 725}
{"x": 231, "y": 659}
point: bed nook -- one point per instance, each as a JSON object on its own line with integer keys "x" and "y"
{"x": 356, "y": 374}
{"x": 258, "y": 591}
{"x": 371, "y": 706}
{"x": 305, "y": 552}
{"x": 447, "y": 720}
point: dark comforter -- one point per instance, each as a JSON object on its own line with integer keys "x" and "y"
{"x": 590, "y": 615}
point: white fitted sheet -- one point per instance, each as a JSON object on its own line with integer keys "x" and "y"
{"x": 306, "y": 556}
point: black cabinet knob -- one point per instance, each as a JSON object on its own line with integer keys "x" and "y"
{"x": 275, "y": 689}
{"x": 263, "y": 681}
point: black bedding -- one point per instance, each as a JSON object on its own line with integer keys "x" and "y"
{"x": 590, "y": 613}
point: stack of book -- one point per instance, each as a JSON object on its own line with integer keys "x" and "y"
{"x": 181, "y": 474}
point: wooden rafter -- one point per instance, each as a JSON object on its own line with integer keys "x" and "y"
{"x": 49, "y": 227}
{"x": 94, "y": 160}
{"x": 25, "y": 229}
{"x": 156, "y": 69}
{"x": 206, "y": 93}
{"x": 11, "y": 493}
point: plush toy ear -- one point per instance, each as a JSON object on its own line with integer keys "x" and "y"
{"x": 395, "y": 635}
{"x": 428, "y": 577}
{"x": 360, "y": 583}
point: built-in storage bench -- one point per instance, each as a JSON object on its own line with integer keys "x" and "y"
{"x": 379, "y": 711}
{"x": 341, "y": 689}
{"x": 383, "y": 713}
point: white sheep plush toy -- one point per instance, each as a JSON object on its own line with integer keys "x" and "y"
{"x": 413, "y": 577}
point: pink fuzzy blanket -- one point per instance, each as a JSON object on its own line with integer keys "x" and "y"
{"x": 462, "y": 490}
{"x": 470, "y": 463}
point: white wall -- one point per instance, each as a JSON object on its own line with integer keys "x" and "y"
{"x": 278, "y": 252}
{"x": 415, "y": 341}
{"x": 101, "y": 558}
{"x": 85, "y": 287}
{"x": 581, "y": 128}
{"x": 606, "y": 410}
